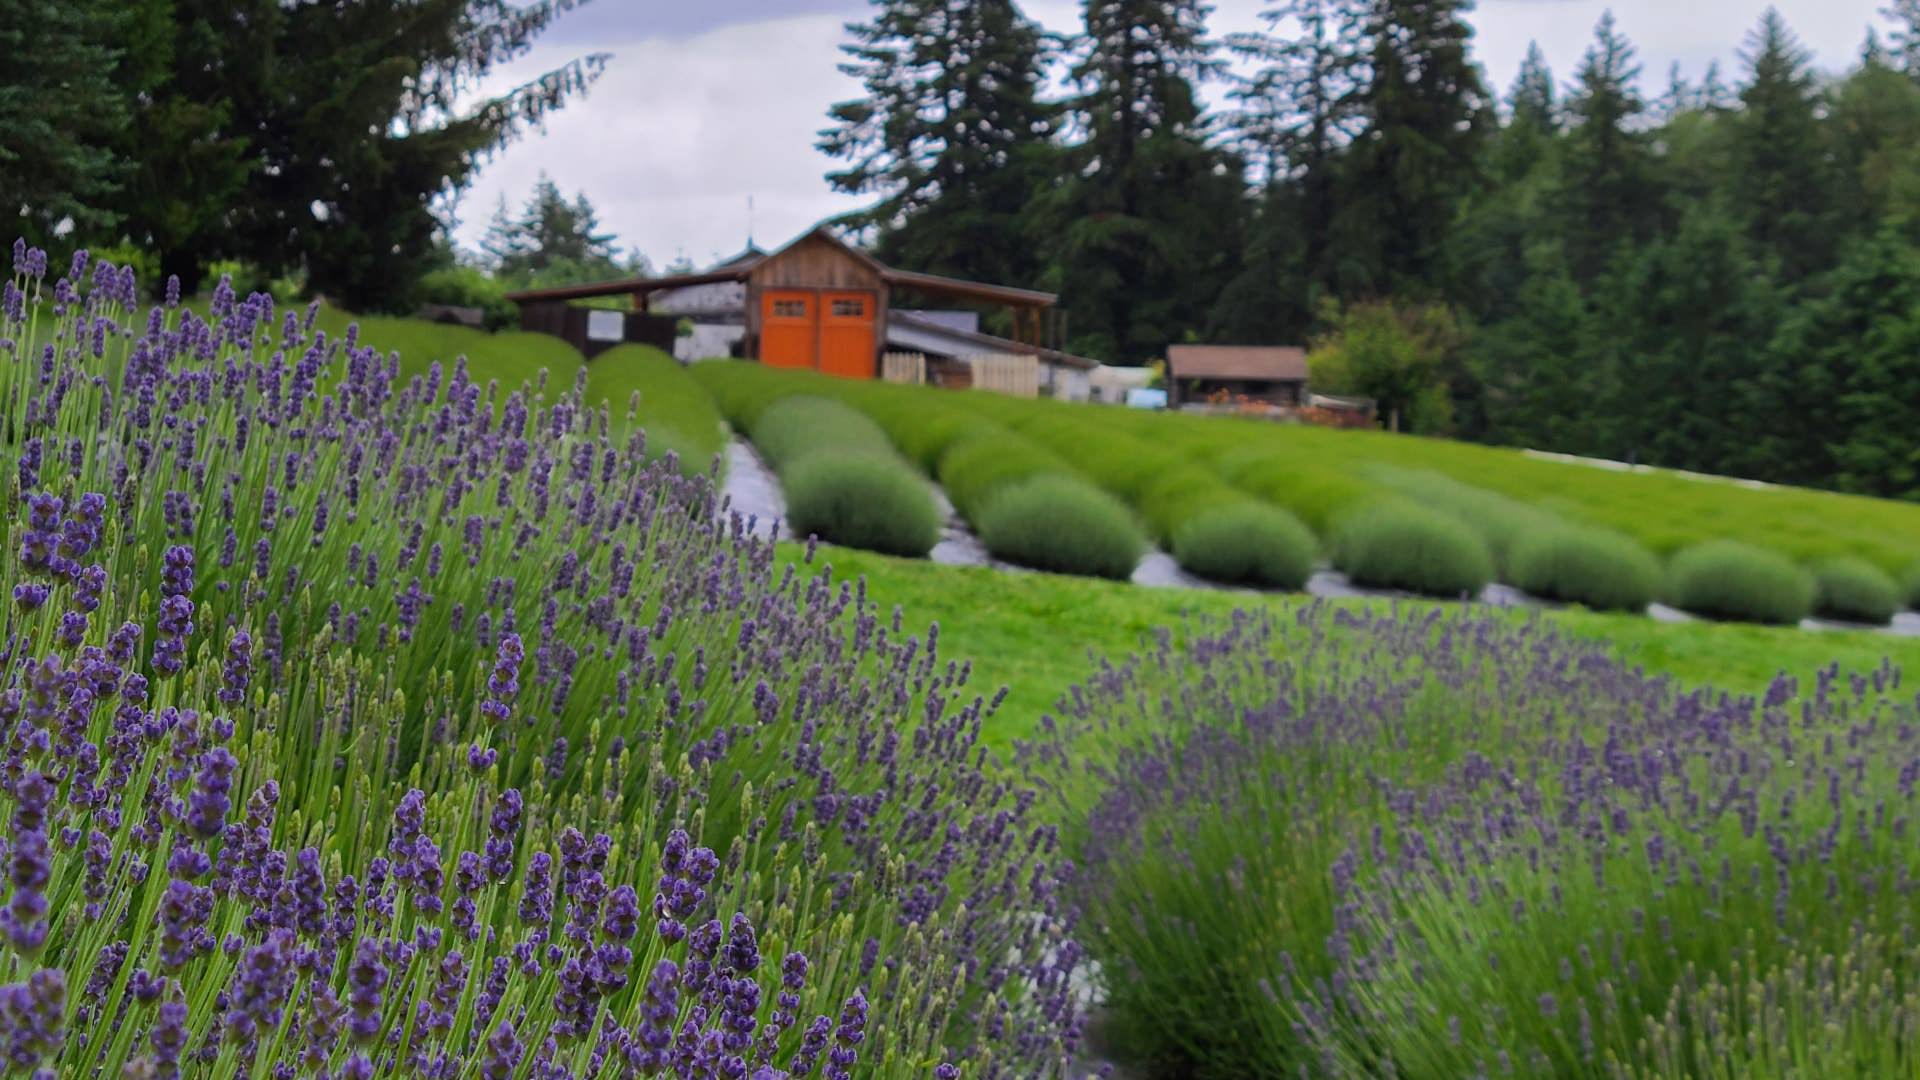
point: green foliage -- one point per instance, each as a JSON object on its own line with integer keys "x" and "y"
{"x": 467, "y": 286}
{"x": 1146, "y": 231}
{"x": 1727, "y": 579}
{"x": 1395, "y": 544}
{"x": 60, "y": 109}
{"x": 794, "y": 428}
{"x": 318, "y": 138}
{"x": 1501, "y": 521}
{"x": 1595, "y": 567}
{"x": 1317, "y": 494}
{"x": 975, "y": 468}
{"x": 1246, "y": 544}
{"x": 1061, "y": 523}
{"x": 1399, "y": 356}
{"x": 1855, "y": 590}
{"x": 552, "y": 242}
{"x": 659, "y": 396}
{"x": 862, "y": 500}
{"x": 950, "y": 136}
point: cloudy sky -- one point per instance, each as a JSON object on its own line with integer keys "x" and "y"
{"x": 707, "y": 104}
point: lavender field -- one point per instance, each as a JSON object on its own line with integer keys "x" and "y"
{"x": 364, "y": 725}
{"x": 358, "y": 727}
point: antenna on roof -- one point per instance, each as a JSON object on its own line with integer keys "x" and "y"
{"x": 749, "y": 223}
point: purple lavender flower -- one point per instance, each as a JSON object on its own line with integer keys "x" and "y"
{"x": 366, "y": 981}
{"x": 503, "y": 683}
{"x": 237, "y": 671}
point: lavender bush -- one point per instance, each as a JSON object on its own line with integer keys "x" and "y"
{"x": 357, "y": 728}
{"x": 1453, "y": 845}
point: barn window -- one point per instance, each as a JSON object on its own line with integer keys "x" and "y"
{"x": 849, "y": 309}
{"x": 789, "y": 309}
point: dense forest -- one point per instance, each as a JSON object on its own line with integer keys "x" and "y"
{"x": 1722, "y": 276}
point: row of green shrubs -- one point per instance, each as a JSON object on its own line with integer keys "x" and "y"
{"x": 842, "y": 480}
{"x": 1212, "y": 529}
{"x": 1251, "y": 515}
{"x": 1025, "y": 503}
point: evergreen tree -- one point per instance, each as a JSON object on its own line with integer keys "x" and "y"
{"x": 365, "y": 120}
{"x": 1150, "y": 225}
{"x": 550, "y": 233}
{"x": 951, "y": 135}
{"x": 1533, "y": 120}
{"x": 1903, "y": 43}
{"x": 1606, "y": 195}
{"x": 60, "y": 111}
{"x": 1778, "y": 180}
{"x": 1418, "y": 155}
{"x": 205, "y": 64}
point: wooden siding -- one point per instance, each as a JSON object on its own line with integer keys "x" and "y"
{"x": 821, "y": 266}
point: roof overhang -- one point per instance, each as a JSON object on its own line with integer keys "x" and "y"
{"x": 626, "y": 286}
{"x": 973, "y": 343}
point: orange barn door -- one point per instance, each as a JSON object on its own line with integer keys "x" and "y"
{"x": 846, "y": 334}
{"x": 789, "y": 329}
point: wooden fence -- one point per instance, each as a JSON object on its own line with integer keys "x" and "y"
{"x": 1003, "y": 373}
{"x": 904, "y": 367}
{"x": 1007, "y": 373}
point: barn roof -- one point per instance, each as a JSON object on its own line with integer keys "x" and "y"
{"x": 919, "y": 333}
{"x": 740, "y": 266}
{"x": 1274, "y": 363}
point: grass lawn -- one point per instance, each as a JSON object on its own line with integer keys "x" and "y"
{"x": 1041, "y": 633}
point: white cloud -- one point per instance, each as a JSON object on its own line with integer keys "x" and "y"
{"x": 681, "y": 130}
{"x": 679, "y": 133}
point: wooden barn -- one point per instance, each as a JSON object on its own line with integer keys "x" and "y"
{"x": 817, "y": 303}
{"x": 1228, "y": 374}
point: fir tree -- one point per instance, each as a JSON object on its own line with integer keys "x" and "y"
{"x": 1606, "y": 195}
{"x": 60, "y": 111}
{"x": 1295, "y": 113}
{"x": 366, "y": 119}
{"x": 1418, "y": 156}
{"x": 951, "y": 135}
{"x": 1778, "y": 178}
{"x": 1151, "y": 224}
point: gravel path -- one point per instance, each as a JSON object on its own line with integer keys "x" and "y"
{"x": 752, "y": 489}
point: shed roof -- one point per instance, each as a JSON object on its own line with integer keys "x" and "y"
{"x": 740, "y": 266}
{"x": 1274, "y": 363}
{"x": 918, "y": 332}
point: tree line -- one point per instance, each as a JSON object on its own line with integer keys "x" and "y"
{"x": 1722, "y": 276}
{"x": 294, "y": 136}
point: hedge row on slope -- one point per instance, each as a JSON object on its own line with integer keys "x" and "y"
{"x": 643, "y": 387}
{"x": 1727, "y": 579}
{"x": 1212, "y": 530}
{"x": 1065, "y": 525}
{"x": 842, "y": 480}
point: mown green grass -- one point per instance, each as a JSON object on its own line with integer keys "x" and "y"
{"x": 1040, "y": 634}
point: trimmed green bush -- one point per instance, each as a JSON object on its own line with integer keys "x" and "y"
{"x": 1911, "y": 580}
{"x": 1855, "y": 590}
{"x": 1394, "y": 544}
{"x": 794, "y": 428}
{"x": 1500, "y": 521}
{"x": 862, "y": 500}
{"x": 1061, "y": 523}
{"x": 1602, "y": 569}
{"x": 1726, "y": 579}
{"x": 989, "y": 457}
{"x": 1246, "y": 544}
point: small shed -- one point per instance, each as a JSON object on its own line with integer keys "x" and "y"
{"x": 817, "y": 303}
{"x": 1235, "y": 374}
